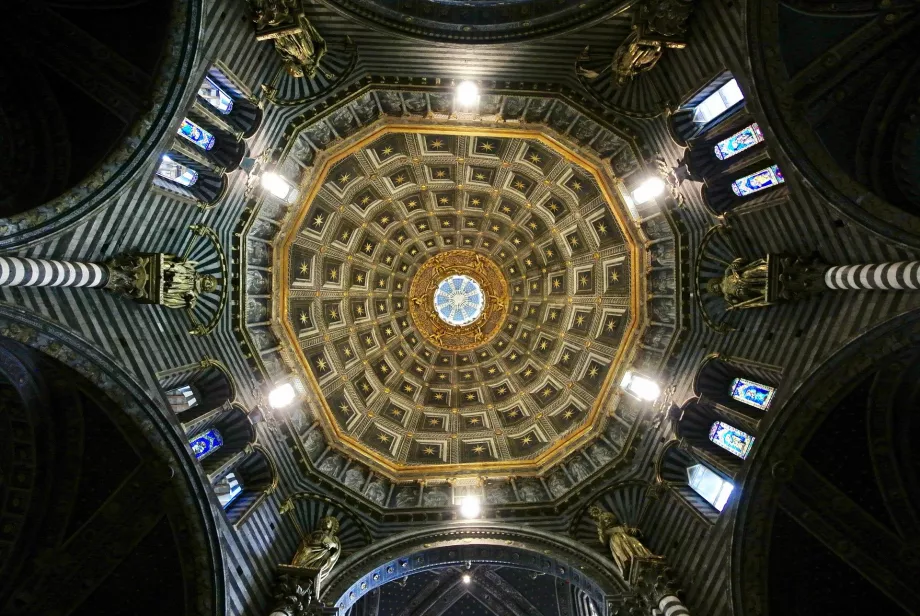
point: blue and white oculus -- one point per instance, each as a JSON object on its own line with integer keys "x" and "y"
{"x": 458, "y": 300}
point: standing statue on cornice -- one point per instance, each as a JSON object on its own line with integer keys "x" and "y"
{"x": 637, "y": 54}
{"x": 319, "y": 552}
{"x": 302, "y": 49}
{"x": 744, "y": 285}
{"x": 273, "y": 13}
{"x": 620, "y": 539}
{"x": 182, "y": 285}
{"x": 296, "y": 40}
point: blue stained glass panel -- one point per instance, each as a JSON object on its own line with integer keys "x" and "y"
{"x": 178, "y": 173}
{"x": 754, "y": 394}
{"x": 458, "y": 300}
{"x": 197, "y": 135}
{"x": 731, "y": 439}
{"x": 206, "y": 443}
{"x": 216, "y": 97}
{"x": 745, "y": 138}
{"x": 763, "y": 179}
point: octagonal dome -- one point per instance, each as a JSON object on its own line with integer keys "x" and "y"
{"x": 400, "y": 209}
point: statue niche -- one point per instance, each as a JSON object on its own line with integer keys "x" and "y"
{"x": 621, "y": 540}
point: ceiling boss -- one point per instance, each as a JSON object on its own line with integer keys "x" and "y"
{"x": 458, "y": 300}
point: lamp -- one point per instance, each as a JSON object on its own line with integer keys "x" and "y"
{"x": 647, "y": 190}
{"x": 467, "y": 94}
{"x": 640, "y": 386}
{"x": 470, "y": 507}
{"x": 281, "y": 396}
{"x": 278, "y": 186}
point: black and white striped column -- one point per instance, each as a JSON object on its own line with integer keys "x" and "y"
{"x": 16, "y": 272}
{"x": 669, "y": 605}
{"x": 900, "y": 276}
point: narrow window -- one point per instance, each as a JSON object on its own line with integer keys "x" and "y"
{"x": 228, "y": 489}
{"x": 216, "y": 97}
{"x": 206, "y": 443}
{"x": 754, "y": 394}
{"x": 746, "y": 137}
{"x": 763, "y": 179}
{"x": 197, "y": 135}
{"x": 709, "y": 485}
{"x": 175, "y": 172}
{"x": 731, "y": 439}
{"x": 718, "y": 103}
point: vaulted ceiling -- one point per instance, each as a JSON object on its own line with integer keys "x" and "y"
{"x": 401, "y": 210}
{"x": 526, "y": 196}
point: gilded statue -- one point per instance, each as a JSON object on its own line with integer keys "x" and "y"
{"x": 620, "y": 539}
{"x": 273, "y": 13}
{"x": 637, "y": 54}
{"x": 744, "y": 284}
{"x": 301, "y": 49}
{"x": 319, "y": 552}
{"x": 182, "y": 285}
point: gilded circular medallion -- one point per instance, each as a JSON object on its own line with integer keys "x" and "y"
{"x": 458, "y": 300}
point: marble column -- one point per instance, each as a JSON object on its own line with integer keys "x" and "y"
{"x": 900, "y": 276}
{"x": 19, "y": 272}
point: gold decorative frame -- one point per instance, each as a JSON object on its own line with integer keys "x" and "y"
{"x": 611, "y": 189}
{"x": 494, "y": 289}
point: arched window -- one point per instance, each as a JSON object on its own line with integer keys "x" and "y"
{"x": 699, "y": 485}
{"x": 182, "y": 398}
{"x": 745, "y": 138}
{"x": 718, "y": 102}
{"x": 707, "y": 110}
{"x": 197, "y": 135}
{"x": 709, "y": 485}
{"x": 757, "y": 181}
{"x": 754, "y": 394}
{"x": 215, "y": 97}
{"x": 206, "y": 443}
{"x": 227, "y": 489}
{"x": 731, "y": 439}
{"x": 197, "y": 392}
{"x": 175, "y": 172}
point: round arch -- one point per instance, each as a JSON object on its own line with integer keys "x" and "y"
{"x": 784, "y": 434}
{"x": 481, "y": 542}
{"x": 171, "y": 87}
{"x": 189, "y": 490}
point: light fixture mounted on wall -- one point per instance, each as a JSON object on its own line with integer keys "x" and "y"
{"x": 470, "y": 507}
{"x": 261, "y": 175}
{"x": 639, "y": 386}
{"x": 466, "y": 94}
{"x": 652, "y": 187}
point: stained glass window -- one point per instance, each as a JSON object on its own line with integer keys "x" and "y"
{"x": 228, "y": 489}
{"x": 718, "y": 103}
{"x": 731, "y": 439}
{"x": 752, "y": 393}
{"x": 458, "y": 300}
{"x": 197, "y": 135}
{"x": 206, "y": 443}
{"x": 709, "y": 485}
{"x": 740, "y": 141}
{"x": 216, "y": 97}
{"x": 763, "y": 179}
{"x": 180, "y": 174}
